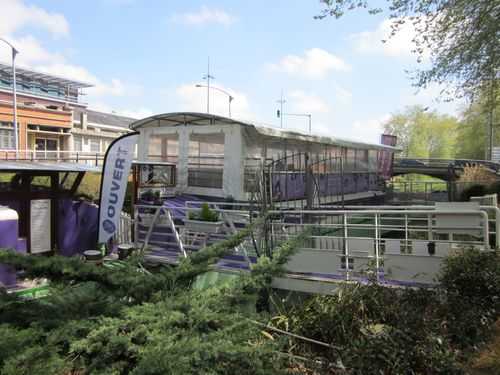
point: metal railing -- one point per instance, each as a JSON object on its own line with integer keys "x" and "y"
{"x": 443, "y": 163}
{"x": 125, "y": 229}
{"x": 391, "y": 245}
{"x": 397, "y": 245}
{"x": 82, "y": 157}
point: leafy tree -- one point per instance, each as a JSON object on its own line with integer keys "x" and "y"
{"x": 462, "y": 37}
{"x": 423, "y": 134}
{"x": 472, "y": 137}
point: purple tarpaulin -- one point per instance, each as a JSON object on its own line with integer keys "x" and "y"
{"x": 293, "y": 186}
{"x": 77, "y": 227}
{"x": 9, "y": 233}
{"x": 385, "y": 158}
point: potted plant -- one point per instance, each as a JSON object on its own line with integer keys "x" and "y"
{"x": 206, "y": 220}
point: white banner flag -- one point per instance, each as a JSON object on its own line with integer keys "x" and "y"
{"x": 115, "y": 171}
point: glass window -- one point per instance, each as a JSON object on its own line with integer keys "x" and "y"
{"x": 206, "y": 160}
{"x": 372, "y": 160}
{"x": 6, "y": 135}
{"x": 164, "y": 147}
{"x": 77, "y": 143}
{"x": 95, "y": 145}
{"x": 361, "y": 160}
{"x": 350, "y": 159}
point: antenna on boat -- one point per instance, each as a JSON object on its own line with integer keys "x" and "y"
{"x": 279, "y": 112}
{"x": 208, "y": 77}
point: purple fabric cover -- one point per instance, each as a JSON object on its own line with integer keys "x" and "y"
{"x": 293, "y": 185}
{"x": 9, "y": 233}
{"x": 77, "y": 227}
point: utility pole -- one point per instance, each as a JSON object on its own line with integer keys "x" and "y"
{"x": 208, "y": 77}
{"x": 280, "y": 112}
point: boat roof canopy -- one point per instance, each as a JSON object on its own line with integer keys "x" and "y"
{"x": 195, "y": 118}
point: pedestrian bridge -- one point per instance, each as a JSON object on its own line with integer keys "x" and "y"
{"x": 445, "y": 169}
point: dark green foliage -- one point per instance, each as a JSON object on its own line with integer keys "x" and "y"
{"x": 123, "y": 321}
{"x": 377, "y": 330}
{"x": 103, "y": 326}
{"x": 471, "y": 282}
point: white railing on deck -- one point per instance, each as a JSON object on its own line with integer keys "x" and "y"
{"x": 123, "y": 234}
{"x": 401, "y": 246}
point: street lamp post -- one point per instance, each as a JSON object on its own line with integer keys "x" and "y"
{"x": 14, "y": 91}
{"x": 208, "y": 77}
{"x": 229, "y": 96}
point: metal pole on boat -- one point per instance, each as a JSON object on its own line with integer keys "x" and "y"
{"x": 280, "y": 112}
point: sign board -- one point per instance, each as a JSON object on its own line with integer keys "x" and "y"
{"x": 40, "y": 229}
{"x": 156, "y": 175}
{"x": 115, "y": 171}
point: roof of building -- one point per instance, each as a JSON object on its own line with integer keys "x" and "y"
{"x": 194, "y": 118}
{"x": 45, "y": 166}
{"x": 103, "y": 118}
{"x": 47, "y": 78}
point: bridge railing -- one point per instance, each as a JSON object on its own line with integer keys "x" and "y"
{"x": 415, "y": 163}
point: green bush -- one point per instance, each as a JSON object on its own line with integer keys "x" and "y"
{"x": 205, "y": 214}
{"x": 123, "y": 321}
{"x": 471, "y": 283}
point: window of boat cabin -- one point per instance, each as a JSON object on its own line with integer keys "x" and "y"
{"x": 206, "y": 160}
{"x": 164, "y": 147}
{"x": 372, "y": 160}
{"x": 349, "y": 159}
{"x": 361, "y": 160}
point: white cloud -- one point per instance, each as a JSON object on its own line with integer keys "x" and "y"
{"x": 115, "y": 87}
{"x": 301, "y": 102}
{"x": 398, "y": 45}
{"x": 16, "y": 15}
{"x": 194, "y": 99}
{"x": 315, "y": 63}
{"x": 138, "y": 113}
{"x": 432, "y": 97}
{"x": 342, "y": 95}
{"x": 30, "y": 52}
{"x": 204, "y": 16}
{"x": 371, "y": 129}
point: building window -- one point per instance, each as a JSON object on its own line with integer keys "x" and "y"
{"x": 77, "y": 143}
{"x": 95, "y": 145}
{"x": 6, "y": 136}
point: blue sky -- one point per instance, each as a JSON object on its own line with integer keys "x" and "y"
{"x": 145, "y": 57}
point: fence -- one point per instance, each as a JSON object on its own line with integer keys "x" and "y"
{"x": 404, "y": 247}
{"x": 82, "y": 157}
